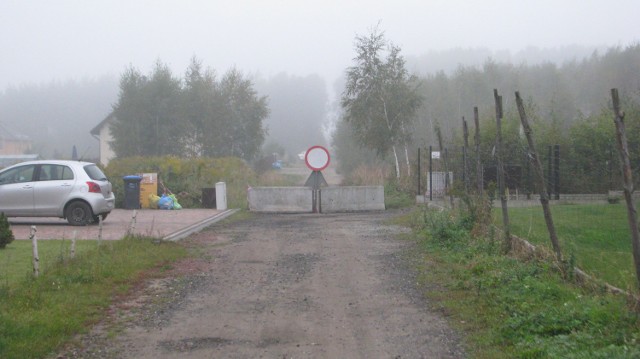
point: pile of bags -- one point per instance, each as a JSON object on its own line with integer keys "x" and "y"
{"x": 165, "y": 202}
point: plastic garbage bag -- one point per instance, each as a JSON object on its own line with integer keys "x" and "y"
{"x": 176, "y": 205}
{"x": 153, "y": 200}
{"x": 165, "y": 202}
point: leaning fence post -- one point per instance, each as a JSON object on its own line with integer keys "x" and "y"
{"x": 34, "y": 248}
{"x": 537, "y": 166}
{"x": 500, "y": 172}
{"x": 625, "y": 164}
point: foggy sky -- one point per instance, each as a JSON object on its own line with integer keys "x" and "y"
{"x": 46, "y": 40}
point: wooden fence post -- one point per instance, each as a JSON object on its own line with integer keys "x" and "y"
{"x": 500, "y": 172}
{"x": 625, "y": 164}
{"x": 465, "y": 157}
{"x": 132, "y": 225}
{"x": 443, "y": 153}
{"x": 34, "y": 249}
{"x": 430, "y": 173}
{"x": 73, "y": 244}
{"x": 100, "y": 229}
{"x": 476, "y": 120}
{"x": 537, "y": 166}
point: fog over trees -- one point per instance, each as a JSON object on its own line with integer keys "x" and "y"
{"x": 58, "y": 115}
{"x": 202, "y": 115}
{"x": 568, "y": 103}
{"x": 571, "y": 86}
{"x": 298, "y": 114}
{"x": 380, "y": 98}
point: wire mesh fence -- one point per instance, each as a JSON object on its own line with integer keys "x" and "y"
{"x": 585, "y": 196}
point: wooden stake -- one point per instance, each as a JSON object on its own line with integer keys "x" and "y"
{"x": 443, "y": 153}
{"x": 500, "y": 173}
{"x": 476, "y": 120}
{"x": 34, "y": 248}
{"x": 537, "y": 166}
{"x": 465, "y": 151}
{"x": 100, "y": 229}
{"x": 73, "y": 244}
{"x": 625, "y": 164}
{"x": 132, "y": 225}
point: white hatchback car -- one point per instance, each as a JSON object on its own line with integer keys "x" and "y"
{"x": 77, "y": 191}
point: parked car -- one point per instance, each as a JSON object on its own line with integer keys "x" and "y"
{"x": 77, "y": 191}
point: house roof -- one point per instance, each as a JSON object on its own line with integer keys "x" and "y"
{"x": 96, "y": 130}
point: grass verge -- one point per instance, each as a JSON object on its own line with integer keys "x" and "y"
{"x": 37, "y": 315}
{"x": 508, "y": 308}
{"x": 595, "y": 235}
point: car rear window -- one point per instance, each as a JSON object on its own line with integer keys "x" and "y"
{"x": 95, "y": 173}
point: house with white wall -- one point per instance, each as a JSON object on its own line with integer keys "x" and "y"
{"x": 102, "y": 132}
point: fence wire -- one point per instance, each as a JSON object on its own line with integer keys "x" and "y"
{"x": 585, "y": 196}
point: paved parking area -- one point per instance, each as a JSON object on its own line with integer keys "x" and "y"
{"x": 171, "y": 225}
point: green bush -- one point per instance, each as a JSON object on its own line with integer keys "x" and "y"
{"x": 186, "y": 177}
{"x": 6, "y": 235}
{"x": 395, "y": 196}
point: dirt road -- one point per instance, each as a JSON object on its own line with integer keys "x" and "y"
{"x": 282, "y": 286}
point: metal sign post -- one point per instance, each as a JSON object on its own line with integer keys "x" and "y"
{"x": 317, "y": 158}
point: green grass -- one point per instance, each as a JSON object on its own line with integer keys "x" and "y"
{"x": 37, "y": 315}
{"x": 395, "y": 197}
{"x": 16, "y": 259}
{"x": 596, "y": 235}
{"x": 507, "y": 308}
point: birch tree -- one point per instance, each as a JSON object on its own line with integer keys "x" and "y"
{"x": 380, "y": 97}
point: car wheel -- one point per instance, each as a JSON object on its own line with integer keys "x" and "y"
{"x": 79, "y": 214}
{"x": 96, "y": 218}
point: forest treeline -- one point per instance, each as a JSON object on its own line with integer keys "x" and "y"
{"x": 569, "y": 105}
{"x": 568, "y": 101}
{"x": 60, "y": 114}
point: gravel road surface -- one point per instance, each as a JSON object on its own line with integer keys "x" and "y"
{"x": 281, "y": 286}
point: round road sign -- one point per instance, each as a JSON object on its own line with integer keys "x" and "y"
{"x": 317, "y": 158}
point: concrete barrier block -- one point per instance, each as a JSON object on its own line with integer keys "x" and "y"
{"x": 280, "y": 199}
{"x": 352, "y": 198}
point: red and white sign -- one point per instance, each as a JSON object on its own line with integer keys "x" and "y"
{"x": 317, "y": 158}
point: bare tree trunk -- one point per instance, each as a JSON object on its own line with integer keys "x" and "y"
{"x": 537, "y": 166}
{"x": 500, "y": 173}
{"x": 395, "y": 157}
{"x": 625, "y": 164}
{"x": 395, "y": 152}
{"x": 406, "y": 156}
{"x": 476, "y": 120}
